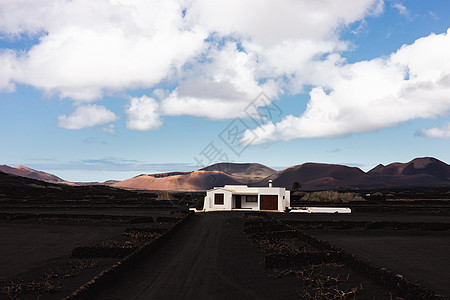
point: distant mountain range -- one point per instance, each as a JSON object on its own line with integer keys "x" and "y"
{"x": 426, "y": 171}
{"x": 30, "y": 173}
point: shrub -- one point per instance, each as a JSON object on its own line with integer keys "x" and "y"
{"x": 332, "y": 196}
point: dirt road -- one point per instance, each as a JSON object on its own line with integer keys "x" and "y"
{"x": 208, "y": 258}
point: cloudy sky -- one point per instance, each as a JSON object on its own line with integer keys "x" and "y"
{"x": 108, "y": 89}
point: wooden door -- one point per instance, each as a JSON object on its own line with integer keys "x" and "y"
{"x": 269, "y": 202}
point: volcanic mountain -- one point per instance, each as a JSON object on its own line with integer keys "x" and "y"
{"x": 251, "y": 170}
{"x": 22, "y": 189}
{"x": 187, "y": 181}
{"x": 203, "y": 179}
{"x": 426, "y": 171}
{"x": 318, "y": 176}
{"x": 312, "y": 176}
{"x": 30, "y": 173}
{"x": 418, "y": 172}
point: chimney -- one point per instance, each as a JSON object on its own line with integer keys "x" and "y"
{"x": 270, "y": 183}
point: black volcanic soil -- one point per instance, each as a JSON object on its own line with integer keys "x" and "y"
{"x": 26, "y": 245}
{"x": 397, "y": 243}
{"x": 209, "y": 258}
{"x": 37, "y": 246}
{"x": 419, "y": 256}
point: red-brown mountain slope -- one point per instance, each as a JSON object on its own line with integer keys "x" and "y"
{"x": 30, "y": 173}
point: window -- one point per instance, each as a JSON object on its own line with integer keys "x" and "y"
{"x": 251, "y": 198}
{"x": 218, "y": 199}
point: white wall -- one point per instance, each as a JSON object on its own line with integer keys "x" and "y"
{"x": 287, "y": 200}
{"x": 209, "y": 200}
{"x": 248, "y": 205}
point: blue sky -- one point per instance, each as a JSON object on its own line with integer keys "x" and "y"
{"x": 97, "y": 91}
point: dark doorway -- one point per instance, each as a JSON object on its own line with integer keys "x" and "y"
{"x": 237, "y": 200}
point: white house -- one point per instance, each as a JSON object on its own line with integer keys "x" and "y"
{"x": 242, "y": 197}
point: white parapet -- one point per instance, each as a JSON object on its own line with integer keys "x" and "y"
{"x": 324, "y": 210}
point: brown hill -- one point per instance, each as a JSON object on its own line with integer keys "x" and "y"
{"x": 17, "y": 189}
{"x": 250, "y": 170}
{"x": 426, "y": 171}
{"x": 418, "y": 172}
{"x": 30, "y": 173}
{"x": 314, "y": 176}
{"x": 424, "y": 165}
{"x": 197, "y": 180}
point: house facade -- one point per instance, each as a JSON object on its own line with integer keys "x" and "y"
{"x": 242, "y": 197}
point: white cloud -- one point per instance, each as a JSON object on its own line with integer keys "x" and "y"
{"x": 220, "y": 56}
{"x": 86, "y": 116}
{"x": 143, "y": 114}
{"x": 110, "y": 128}
{"x": 87, "y": 48}
{"x": 219, "y": 89}
{"x": 433, "y": 15}
{"x": 440, "y": 133}
{"x": 401, "y": 9}
{"x": 412, "y": 83}
{"x": 267, "y": 22}
{"x": 7, "y": 61}
{"x": 280, "y": 45}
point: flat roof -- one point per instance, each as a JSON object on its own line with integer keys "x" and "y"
{"x": 243, "y": 189}
{"x": 245, "y": 193}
